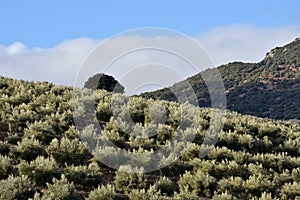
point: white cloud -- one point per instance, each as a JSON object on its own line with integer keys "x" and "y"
{"x": 61, "y": 63}
{"x": 58, "y": 64}
{"x": 16, "y": 47}
{"x": 245, "y": 43}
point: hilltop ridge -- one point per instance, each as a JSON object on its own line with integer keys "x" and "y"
{"x": 269, "y": 88}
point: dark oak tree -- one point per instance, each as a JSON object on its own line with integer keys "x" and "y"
{"x": 102, "y": 81}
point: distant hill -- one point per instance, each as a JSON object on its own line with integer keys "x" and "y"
{"x": 270, "y": 88}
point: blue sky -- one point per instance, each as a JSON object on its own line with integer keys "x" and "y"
{"x": 46, "y": 23}
{"x": 49, "y": 40}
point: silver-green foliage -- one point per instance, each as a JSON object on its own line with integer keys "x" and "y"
{"x": 128, "y": 178}
{"x": 41, "y": 170}
{"x": 103, "y": 192}
{"x": 70, "y": 151}
{"x": 15, "y": 187}
{"x": 60, "y": 189}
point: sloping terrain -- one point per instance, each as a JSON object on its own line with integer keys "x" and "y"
{"x": 43, "y": 157}
{"x": 270, "y": 88}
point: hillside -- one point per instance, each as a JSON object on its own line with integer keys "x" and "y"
{"x": 270, "y": 88}
{"x": 43, "y": 155}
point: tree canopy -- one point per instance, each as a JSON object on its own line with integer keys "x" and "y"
{"x": 102, "y": 81}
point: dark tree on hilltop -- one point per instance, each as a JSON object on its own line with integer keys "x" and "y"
{"x": 104, "y": 82}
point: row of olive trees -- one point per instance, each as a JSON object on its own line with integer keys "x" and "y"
{"x": 42, "y": 155}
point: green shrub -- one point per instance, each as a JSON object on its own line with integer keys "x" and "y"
{"x": 107, "y": 192}
{"x": 137, "y": 107}
{"x": 13, "y": 139}
{"x": 174, "y": 114}
{"x": 28, "y": 149}
{"x": 5, "y": 166}
{"x": 141, "y": 142}
{"x": 71, "y": 133}
{"x": 220, "y": 154}
{"x": 68, "y": 151}
{"x": 89, "y": 136}
{"x": 224, "y": 196}
{"x": 103, "y": 111}
{"x": 177, "y": 168}
{"x": 234, "y": 169}
{"x": 185, "y": 194}
{"x": 191, "y": 152}
{"x": 128, "y": 178}
{"x": 41, "y": 130}
{"x": 156, "y": 113}
{"x": 151, "y": 194}
{"x": 138, "y": 194}
{"x": 256, "y": 185}
{"x": 233, "y": 185}
{"x": 296, "y": 174}
{"x": 87, "y": 176}
{"x": 15, "y": 187}
{"x": 109, "y": 155}
{"x": 41, "y": 170}
{"x": 290, "y": 191}
{"x": 265, "y": 196}
{"x": 4, "y": 148}
{"x": 199, "y": 183}
{"x": 115, "y": 137}
{"x": 282, "y": 178}
{"x": 165, "y": 186}
{"x": 165, "y": 133}
{"x": 60, "y": 189}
